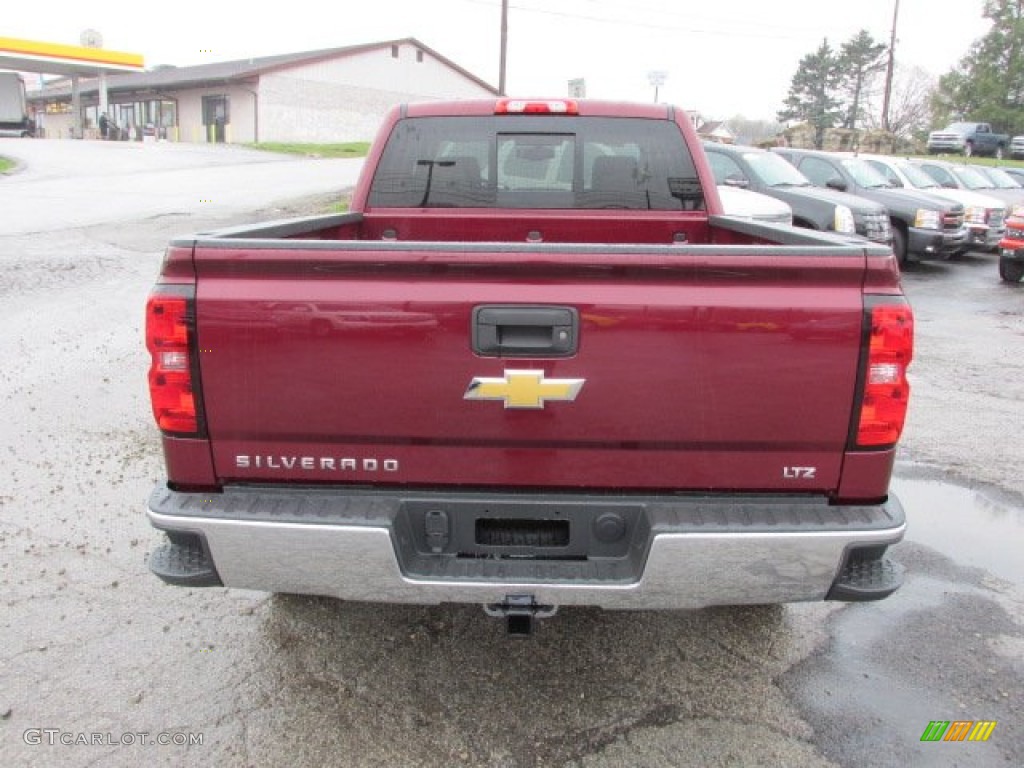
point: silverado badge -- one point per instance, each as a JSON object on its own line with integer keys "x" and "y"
{"x": 523, "y": 389}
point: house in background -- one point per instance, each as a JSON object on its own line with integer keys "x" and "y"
{"x": 716, "y": 131}
{"x": 710, "y": 130}
{"x": 333, "y": 95}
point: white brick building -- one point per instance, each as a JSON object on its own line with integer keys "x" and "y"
{"x": 333, "y": 95}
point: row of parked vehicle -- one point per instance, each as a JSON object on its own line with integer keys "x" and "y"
{"x": 924, "y": 209}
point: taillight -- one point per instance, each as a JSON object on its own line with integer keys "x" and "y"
{"x": 536, "y": 107}
{"x": 886, "y": 392}
{"x": 168, "y": 339}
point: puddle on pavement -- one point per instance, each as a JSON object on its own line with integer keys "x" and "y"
{"x": 967, "y": 525}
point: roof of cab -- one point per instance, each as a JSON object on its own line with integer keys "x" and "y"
{"x": 586, "y": 107}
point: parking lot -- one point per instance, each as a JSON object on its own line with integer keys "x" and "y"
{"x": 100, "y": 660}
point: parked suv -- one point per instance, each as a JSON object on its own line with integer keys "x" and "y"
{"x": 924, "y": 226}
{"x": 984, "y": 215}
{"x": 813, "y": 208}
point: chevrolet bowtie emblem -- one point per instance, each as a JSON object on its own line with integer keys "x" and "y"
{"x": 523, "y": 389}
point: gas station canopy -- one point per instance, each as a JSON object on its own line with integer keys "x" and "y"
{"x": 68, "y": 60}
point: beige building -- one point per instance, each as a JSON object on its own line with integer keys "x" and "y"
{"x": 333, "y": 95}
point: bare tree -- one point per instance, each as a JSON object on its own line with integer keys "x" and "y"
{"x": 909, "y": 104}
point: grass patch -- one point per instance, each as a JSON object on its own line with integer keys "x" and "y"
{"x": 960, "y": 159}
{"x": 348, "y": 149}
{"x": 340, "y": 205}
{"x": 6, "y": 165}
{"x": 995, "y": 163}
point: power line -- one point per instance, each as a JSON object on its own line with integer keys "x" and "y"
{"x": 731, "y": 21}
{"x": 621, "y": 22}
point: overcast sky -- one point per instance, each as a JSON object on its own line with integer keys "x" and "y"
{"x": 721, "y": 58}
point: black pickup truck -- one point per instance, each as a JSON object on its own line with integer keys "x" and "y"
{"x": 924, "y": 226}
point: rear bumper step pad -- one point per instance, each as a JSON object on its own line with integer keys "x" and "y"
{"x": 862, "y": 580}
{"x": 184, "y": 564}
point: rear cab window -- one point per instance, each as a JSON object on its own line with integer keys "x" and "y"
{"x": 511, "y": 161}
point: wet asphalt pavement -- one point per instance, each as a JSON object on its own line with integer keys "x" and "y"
{"x": 94, "y": 649}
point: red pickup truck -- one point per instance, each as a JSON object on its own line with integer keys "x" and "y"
{"x": 1011, "y": 251}
{"x": 534, "y": 366}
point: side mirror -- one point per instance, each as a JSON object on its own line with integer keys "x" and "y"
{"x": 837, "y": 184}
{"x": 736, "y": 181}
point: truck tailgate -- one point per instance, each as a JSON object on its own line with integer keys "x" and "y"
{"x": 692, "y": 368}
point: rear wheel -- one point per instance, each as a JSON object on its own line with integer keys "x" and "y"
{"x": 1011, "y": 271}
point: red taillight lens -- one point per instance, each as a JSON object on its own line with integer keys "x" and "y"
{"x": 170, "y": 371}
{"x": 886, "y": 390}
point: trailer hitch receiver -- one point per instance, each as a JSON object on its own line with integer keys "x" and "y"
{"x": 520, "y": 612}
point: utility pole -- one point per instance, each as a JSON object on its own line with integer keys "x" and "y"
{"x": 504, "y": 47}
{"x": 889, "y": 69}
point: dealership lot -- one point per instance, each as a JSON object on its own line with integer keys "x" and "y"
{"x": 95, "y": 645}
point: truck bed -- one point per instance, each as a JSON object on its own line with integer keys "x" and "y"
{"x": 714, "y": 366}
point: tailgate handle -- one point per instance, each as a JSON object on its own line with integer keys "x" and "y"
{"x": 525, "y": 331}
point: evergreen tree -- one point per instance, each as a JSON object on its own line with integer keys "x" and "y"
{"x": 812, "y": 94}
{"x": 859, "y": 60}
{"x": 988, "y": 83}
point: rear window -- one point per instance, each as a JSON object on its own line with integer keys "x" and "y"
{"x": 513, "y": 161}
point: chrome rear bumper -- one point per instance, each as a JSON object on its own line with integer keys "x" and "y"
{"x": 679, "y": 551}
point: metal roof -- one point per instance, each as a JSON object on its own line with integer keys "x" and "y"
{"x": 227, "y": 72}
